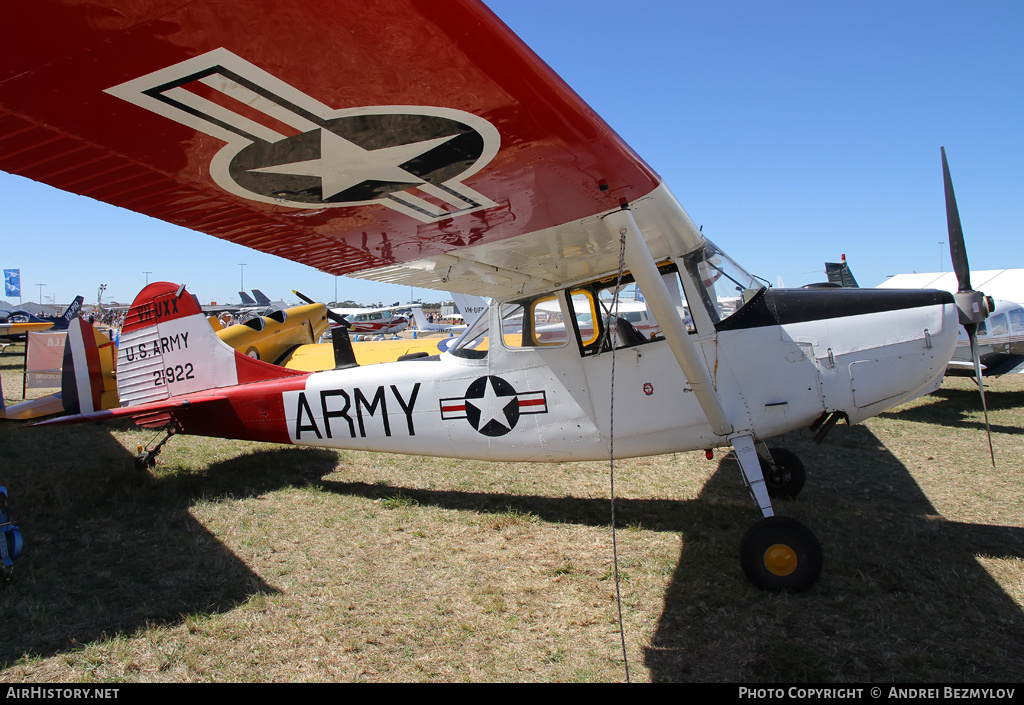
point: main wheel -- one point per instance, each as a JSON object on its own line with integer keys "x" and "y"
{"x": 780, "y": 553}
{"x": 785, "y": 475}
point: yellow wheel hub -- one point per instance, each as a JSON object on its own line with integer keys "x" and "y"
{"x": 780, "y": 559}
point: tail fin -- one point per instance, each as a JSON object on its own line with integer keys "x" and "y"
{"x": 421, "y": 320}
{"x": 87, "y": 379}
{"x": 261, "y": 298}
{"x": 246, "y": 299}
{"x": 469, "y": 306}
{"x": 168, "y": 348}
{"x": 70, "y": 314}
{"x": 839, "y": 273}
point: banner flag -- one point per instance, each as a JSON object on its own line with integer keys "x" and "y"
{"x": 12, "y": 282}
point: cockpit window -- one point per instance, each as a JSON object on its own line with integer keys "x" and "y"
{"x": 596, "y": 318}
{"x": 724, "y": 286}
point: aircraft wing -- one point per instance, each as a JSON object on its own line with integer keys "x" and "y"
{"x": 421, "y": 141}
{"x": 22, "y": 328}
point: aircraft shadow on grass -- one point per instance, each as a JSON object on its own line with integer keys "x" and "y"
{"x": 951, "y": 407}
{"x": 902, "y": 598}
{"x": 110, "y": 549}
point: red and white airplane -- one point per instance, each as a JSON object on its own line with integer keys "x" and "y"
{"x": 374, "y": 321}
{"x": 422, "y": 143}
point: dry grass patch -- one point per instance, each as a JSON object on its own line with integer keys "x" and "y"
{"x": 249, "y": 562}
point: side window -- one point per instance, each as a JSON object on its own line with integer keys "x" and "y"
{"x": 534, "y": 323}
{"x": 1017, "y": 321}
{"x": 512, "y": 324}
{"x": 586, "y": 313}
{"x": 547, "y": 323}
{"x": 632, "y": 322}
{"x": 997, "y": 325}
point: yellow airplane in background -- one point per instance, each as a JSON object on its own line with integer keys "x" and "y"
{"x": 273, "y": 337}
{"x": 88, "y": 377}
{"x": 284, "y": 337}
{"x": 289, "y": 338}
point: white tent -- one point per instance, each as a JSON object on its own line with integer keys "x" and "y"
{"x": 1003, "y": 284}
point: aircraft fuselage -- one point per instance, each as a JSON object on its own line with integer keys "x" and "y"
{"x": 790, "y": 357}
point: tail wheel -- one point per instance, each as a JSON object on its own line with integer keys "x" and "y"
{"x": 780, "y": 553}
{"x": 785, "y": 475}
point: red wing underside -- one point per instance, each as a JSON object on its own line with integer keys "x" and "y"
{"x": 343, "y": 135}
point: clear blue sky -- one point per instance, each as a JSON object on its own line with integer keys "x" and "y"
{"x": 793, "y": 132}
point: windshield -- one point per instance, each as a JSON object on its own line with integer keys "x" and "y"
{"x": 472, "y": 343}
{"x": 724, "y": 285}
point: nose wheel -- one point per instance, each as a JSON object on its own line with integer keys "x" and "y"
{"x": 779, "y": 553}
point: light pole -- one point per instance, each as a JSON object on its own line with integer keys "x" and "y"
{"x": 241, "y": 276}
{"x": 147, "y": 277}
{"x": 941, "y": 244}
{"x": 40, "y": 293}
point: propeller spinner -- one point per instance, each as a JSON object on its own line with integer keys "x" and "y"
{"x": 973, "y": 306}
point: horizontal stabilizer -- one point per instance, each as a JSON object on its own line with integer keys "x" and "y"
{"x": 151, "y": 415}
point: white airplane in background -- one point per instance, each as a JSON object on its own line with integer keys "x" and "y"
{"x": 374, "y": 321}
{"x": 468, "y": 307}
{"x": 1000, "y": 343}
{"x": 492, "y": 178}
{"x": 424, "y": 325}
{"x": 1000, "y": 338}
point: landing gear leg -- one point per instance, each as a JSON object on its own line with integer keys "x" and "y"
{"x": 783, "y": 472}
{"x": 777, "y": 553}
{"x": 146, "y": 458}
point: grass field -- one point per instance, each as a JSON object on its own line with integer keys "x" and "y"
{"x": 236, "y": 561}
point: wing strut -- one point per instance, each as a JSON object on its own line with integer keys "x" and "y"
{"x": 645, "y": 272}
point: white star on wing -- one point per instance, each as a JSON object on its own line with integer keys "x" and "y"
{"x": 343, "y": 164}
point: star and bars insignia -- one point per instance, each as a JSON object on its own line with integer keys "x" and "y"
{"x": 286, "y": 148}
{"x": 493, "y": 406}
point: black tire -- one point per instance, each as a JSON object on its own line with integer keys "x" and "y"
{"x": 780, "y": 553}
{"x": 785, "y": 476}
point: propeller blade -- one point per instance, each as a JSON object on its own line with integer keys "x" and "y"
{"x": 957, "y": 247}
{"x": 336, "y": 317}
{"x": 973, "y": 306}
{"x": 972, "y": 333}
